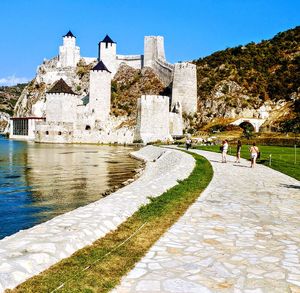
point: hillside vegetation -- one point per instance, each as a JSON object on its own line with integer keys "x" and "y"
{"x": 9, "y": 96}
{"x": 246, "y": 77}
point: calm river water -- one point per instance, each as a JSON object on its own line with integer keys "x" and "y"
{"x": 41, "y": 181}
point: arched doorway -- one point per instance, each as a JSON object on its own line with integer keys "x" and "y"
{"x": 246, "y": 125}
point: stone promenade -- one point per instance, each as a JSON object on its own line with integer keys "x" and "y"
{"x": 242, "y": 235}
{"x": 31, "y": 251}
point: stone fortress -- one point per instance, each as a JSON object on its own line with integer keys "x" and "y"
{"x": 65, "y": 117}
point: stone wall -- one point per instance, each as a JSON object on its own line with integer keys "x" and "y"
{"x": 89, "y": 60}
{"x": 61, "y": 107}
{"x": 54, "y": 132}
{"x": 175, "y": 124}
{"x": 134, "y": 61}
{"x": 152, "y": 119}
{"x": 184, "y": 88}
{"x": 164, "y": 70}
{"x": 110, "y": 131}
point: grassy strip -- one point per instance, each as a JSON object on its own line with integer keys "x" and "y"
{"x": 283, "y": 158}
{"x": 161, "y": 213}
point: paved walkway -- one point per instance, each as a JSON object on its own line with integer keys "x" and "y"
{"x": 31, "y": 251}
{"x": 242, "y": 235}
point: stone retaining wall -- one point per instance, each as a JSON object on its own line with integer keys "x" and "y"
{"x": 31, "y": 251}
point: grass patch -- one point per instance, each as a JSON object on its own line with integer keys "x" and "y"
{"x": 106, "y": 272}
{"x": 283, "y": 158}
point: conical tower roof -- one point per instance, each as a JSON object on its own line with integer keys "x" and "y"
{"x": 107, "y": 39}
{"x": 69, "y": 34}
{"x": 101, "y": 66}
{"x": 59, "y": 87}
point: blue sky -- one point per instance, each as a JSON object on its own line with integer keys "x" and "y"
{"x": 32, "y": 30}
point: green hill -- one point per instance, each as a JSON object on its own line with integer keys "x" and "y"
{"x": 265, "y": 72}
{"x": 9, "y": 96}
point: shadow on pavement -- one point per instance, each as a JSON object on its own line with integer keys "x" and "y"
{"x": 243, "y": 166}
{"x": 290, "y": 186}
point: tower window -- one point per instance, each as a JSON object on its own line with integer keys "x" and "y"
{"x": 87, "y": 127}
{"x": 47, "y": 132}
{"x": 59, "y": 133}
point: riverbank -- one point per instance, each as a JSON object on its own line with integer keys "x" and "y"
{"x": 41, "y": 181}
{"x": 29, "y": 252}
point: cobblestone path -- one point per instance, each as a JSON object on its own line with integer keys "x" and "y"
{"x": 242, "y": 235}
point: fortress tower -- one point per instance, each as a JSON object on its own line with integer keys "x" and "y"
{"x": 100, "y": 92}
{"x": 61, "y": 103}
{"x": 69, "y": 53}
{"x": 152, "y": 119}
{"x": 184, "y": 89}
{"x": 153, "y": 49}
{"x": 107, "y": 53}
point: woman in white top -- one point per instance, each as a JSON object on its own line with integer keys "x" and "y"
{"x": 224, "y": 151}
{"x": 254, "y": 150}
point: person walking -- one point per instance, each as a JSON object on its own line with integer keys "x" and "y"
{"x": 224, "y": 150}
{"x": 254, "y": 151}
{"x": 188, "y": 143}
{"x": 238, "y": 151}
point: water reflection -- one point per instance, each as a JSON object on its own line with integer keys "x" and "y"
{"x": 40, "y": 181}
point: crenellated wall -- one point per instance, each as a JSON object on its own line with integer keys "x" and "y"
{"x": 152, "y": 119}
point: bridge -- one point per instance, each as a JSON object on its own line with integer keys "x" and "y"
{"x": 255, "y": 122}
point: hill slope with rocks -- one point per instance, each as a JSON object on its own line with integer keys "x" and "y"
{"x": 9, "y": 96}
{"x": 239, "y": 81}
